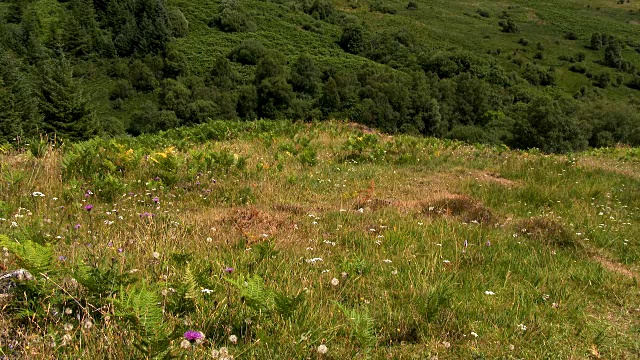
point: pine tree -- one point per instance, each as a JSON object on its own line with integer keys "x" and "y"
{"x": 65, "y": 110}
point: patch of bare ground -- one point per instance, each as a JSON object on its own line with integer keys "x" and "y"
{"x": 616, "y": 167}
{"x": 494, "y": 178}
{"x": 460, "y": 206}
{"x": 613, "y": 266}
{"x": 532, "y": 16}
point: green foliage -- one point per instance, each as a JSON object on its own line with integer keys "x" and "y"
{"x": 508, "y": 25}
{"x": 248, "y": 52}
{"x": 65, "y": 110}
{"x": 139, "y": 308}
{"x": 353, "y": 39}
{"x": 36, "y": 258}
{"x": 231, "y": 18}
{"x": 361, "y": 325}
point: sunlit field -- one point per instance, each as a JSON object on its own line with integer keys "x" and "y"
{"x": 279, "y": 240}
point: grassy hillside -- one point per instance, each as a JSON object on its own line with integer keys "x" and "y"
{"x": 273, "y": 239}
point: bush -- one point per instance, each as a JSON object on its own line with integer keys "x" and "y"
{"x": 483, "y": 13}
{"x": 141, "y": 77}
{"x": 248, "y": 52}
{"x": 380, "y": 6}
{"x": 508, "y": 26}
{"x": 537, "y": 75}
{"x": 570, "y": 35}
{"x": 151, "y": 122}
{"x": 179, "y": 24}
{"x": 412, "y": 5}
{"x": 353, "y": 39}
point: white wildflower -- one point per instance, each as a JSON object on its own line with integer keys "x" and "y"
{"x": 233, "y": 339}
{"x": 335, "y": 282}
{"x": 488, "y": 292}
{"x": 322, "y": 349}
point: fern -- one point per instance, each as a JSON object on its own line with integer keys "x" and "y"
{"x": 190, "y": 283}
{"x": 362, "y": 326}
{"x": 285, "y": 305}
{"x": 30, "y": 255}
{"x": 139, "y": 308}
{"x": 255, "y": 294}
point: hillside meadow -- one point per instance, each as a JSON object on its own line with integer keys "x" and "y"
{"x": 281, "y": 240}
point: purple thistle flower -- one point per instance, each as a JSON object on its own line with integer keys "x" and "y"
{"x": 62, "y": 258}
{"x": 120, "y": 250}
{"x": 156, "y": 199}
{"x": 76, "y": 226}
{"x": 88, "y": 207}
{"x": 228, "y": 270}
{"x": 146, "y": 214}
{"x": 193, "y": 335}
{"x": 110, "y": 244}
{"x": 157, "y": 178}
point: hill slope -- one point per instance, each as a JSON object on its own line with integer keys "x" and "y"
{"x": 559, "y": 77}
{"x": 292, "y": 236}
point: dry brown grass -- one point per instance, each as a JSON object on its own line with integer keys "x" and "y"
{"x": 460, "y": 206}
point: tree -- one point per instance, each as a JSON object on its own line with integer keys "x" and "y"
{"x": 65, "y": 110}
{"x": 223, "y": 75}
{"x": 330, "y": 99}
{"x": 305, "y": 75}
{"x": 248, "y": 52}
{"x": 353, "y": 39}
{"x": 596, "y": 41}
{"x": 613, "y": 54}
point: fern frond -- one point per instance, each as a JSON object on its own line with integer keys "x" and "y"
{"x": 140, "y": 308}
{"x": 287, "y": 305}
{"x": 30, "y": 255}
{"x": 254, "y": 292}
{"x": 362, "y": 326}
{"x": 190, "y": 283}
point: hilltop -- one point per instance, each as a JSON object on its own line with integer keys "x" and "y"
{"x": 325, "y": 240}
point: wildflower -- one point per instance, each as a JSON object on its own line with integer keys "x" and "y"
{"x": 522, "y": 327}
{"x": 446, "y": 344}
{"x": 120, "y": 250}
{"x": 314, "y": 260}
{"x": 233, "y": 339}
{"x": 335, "y": 282}
{"x": 215, "y": 353}
{"x": 394, "y": 272}
{"x": 67, "y": 327}
{"x": 446, "y": 261}
{"x": 466, "y": 243}
{"x": 37, "y": 194}
{"x": 488, "y": 292}
{"x": 228, "y": 270}
{"x": 206, "y": 291}
{"x": 387, "y": 261}
{"x": 87, "y": 324}
{"x": 474, "y": 334}
{"x": 322, "y": 349}
{"x": 488, "y": 243}
{"x": 66, "y": 339}
{"x": 511, "y": 347}
{"x": 88, "y": 207}
{"x": 156, "y": 255}
{"x": 185, "y": 344}
{"x": 76, "y": 226}
{"x": 68, "y": 311}
{"x": 192, "y": 335}
{"x": 156, "y": 199}
{"x": 62, "y": 258}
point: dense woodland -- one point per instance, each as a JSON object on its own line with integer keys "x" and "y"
{"x": 83, "y": 68}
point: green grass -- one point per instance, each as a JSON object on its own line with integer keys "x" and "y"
{"x": 412, "y": 282}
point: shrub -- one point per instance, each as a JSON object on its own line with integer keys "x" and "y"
{"x": 179, "y": 24}
{"x": 570, "y": 35}
{"x": 380, "y": 6}
{"x": 141, "y": 77}
{"x": 483, "y": 13}
{"x": 508, "y": 26}
{"x": 546, "y": 230}
{"x": 353, "y": 39}
{"x": 248, "y": 52}
{"x": 412, "y": 5}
